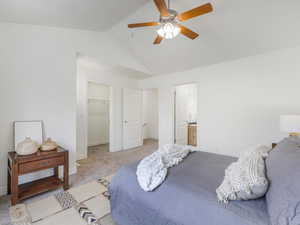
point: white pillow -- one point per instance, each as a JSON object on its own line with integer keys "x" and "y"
{"x": 246, "y": 178}
{"x": 261, "y": 149}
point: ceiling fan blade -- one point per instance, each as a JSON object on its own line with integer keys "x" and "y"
{"x": 162, "y": 7}
{"x": 203, "y": 9}
{"x": 158, "y": 40}
{"x": 148, "y": 24}
{"x": 187, "y": 32}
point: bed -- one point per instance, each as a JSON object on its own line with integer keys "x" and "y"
{"x": 187, "y": 197}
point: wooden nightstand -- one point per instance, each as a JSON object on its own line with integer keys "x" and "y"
{"x": 20, "y": 165}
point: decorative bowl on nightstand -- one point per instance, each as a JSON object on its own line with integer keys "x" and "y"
{"x": 27, "y": 147}
{"x": 49, "y": 145}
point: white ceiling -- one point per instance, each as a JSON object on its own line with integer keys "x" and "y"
{"x": 81, "y": 14}
{"x": 236, "y": 29}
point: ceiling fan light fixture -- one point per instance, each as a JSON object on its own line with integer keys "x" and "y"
{"x": 170, "y": 21}
{"x": 168, "y": 30}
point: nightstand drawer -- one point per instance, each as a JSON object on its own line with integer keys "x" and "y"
{"x": 41, "y": 164}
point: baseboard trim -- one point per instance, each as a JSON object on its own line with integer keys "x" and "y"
{"x": 81, "y": 156}
{"x": 3, "y": 190}
{"x": 73, "y": 170}
{"x": 92, "y": 144}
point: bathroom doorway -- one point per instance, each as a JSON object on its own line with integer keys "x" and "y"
{"x": 185, "y": 114}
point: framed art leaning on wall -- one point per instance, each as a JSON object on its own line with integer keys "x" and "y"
{"x": 28, "y": 129}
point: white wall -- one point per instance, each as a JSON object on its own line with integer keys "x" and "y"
{"x": 239, "y": 102}
{"x": 38, "y": 80}
{"x": 98, "y": 114}
{"x": 186, "y": 102}
{"x": 117, "y": 81}
{"x": 150, "y": 113}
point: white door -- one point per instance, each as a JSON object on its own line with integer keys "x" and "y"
{"x": 132, "y": 118}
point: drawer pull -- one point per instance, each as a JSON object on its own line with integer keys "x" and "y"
{"x": 45, "y": 163}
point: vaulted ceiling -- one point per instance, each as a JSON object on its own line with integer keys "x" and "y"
{"x": 96, "y": 15}
{"x": 236, "y": 28}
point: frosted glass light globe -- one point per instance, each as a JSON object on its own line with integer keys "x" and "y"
{"x": 168, "y": 31}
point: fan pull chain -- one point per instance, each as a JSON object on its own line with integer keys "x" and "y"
{"x": 168, "y": 4}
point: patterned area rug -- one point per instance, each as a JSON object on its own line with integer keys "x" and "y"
{"x": 81, "y": 205}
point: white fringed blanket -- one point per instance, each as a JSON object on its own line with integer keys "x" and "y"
{"x": 152, "y": 170}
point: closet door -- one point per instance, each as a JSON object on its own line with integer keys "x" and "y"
{"x": 132, "y": 118}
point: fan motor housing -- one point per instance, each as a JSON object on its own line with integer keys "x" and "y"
{"x": 170, "y": 18}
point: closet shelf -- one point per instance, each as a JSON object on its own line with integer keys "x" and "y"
{"x": 97, "y": 99}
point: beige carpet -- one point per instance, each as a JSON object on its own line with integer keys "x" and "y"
{"x": 100, "y": 163}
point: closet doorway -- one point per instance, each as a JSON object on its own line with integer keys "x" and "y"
{"x": 150, "y": 116}
{"x": 185, "y": 114}
{"x": 98, "y": 116}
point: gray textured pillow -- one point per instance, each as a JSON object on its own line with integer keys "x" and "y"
{"x": 283, "y": 171}
{"x": 246, "y": 178}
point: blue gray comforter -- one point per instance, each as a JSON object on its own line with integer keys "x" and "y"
{"x": 187, "y": 197}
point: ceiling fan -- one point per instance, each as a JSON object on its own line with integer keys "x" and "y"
{"x": 169, "y": 21}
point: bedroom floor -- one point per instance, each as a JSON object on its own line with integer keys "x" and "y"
{"x": 100, "y": 163}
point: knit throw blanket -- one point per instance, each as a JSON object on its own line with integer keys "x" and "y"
{"x": 152, "y": 170}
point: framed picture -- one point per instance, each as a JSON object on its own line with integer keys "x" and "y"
{"x": 31, "y": 129}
